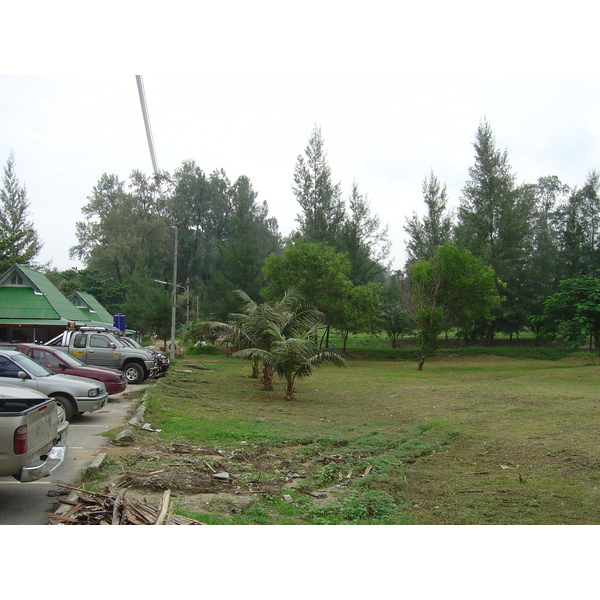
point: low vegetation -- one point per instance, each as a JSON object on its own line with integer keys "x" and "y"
{"x": 482, "y": 439}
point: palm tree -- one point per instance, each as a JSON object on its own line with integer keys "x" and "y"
{"x": 258, "y": 326}
{"x": 292, "y": 357}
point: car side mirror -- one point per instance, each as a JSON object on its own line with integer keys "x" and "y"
{"x": 22, "y": 375}
{"x": 62, "y": 366}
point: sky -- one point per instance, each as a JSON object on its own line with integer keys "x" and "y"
{"x": 398, "y": 90}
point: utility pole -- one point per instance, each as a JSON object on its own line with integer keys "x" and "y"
{"x": 142, "y": 95}
{"x": 174, "y": 297}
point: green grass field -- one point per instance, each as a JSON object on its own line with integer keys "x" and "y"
{"x": 480, "y": 439}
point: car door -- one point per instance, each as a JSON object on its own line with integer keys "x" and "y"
{"x": 9, "y": 374}
{"x": 80, "y": 347}
{"x": 101, "y": 351}
{"x": 46, "y": 358}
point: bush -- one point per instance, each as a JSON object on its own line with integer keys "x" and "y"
{"x": 204, "y": 350}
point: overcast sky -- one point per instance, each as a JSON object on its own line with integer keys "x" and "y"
{"x": 397, "y": 90}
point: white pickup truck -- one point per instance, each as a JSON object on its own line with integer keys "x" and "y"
{"x": 33, "y": 434}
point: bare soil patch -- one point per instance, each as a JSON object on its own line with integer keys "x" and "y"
{"x": 204, "y": 478}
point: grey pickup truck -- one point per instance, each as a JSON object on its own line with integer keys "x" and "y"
{"x": 33, "y": 434}
{"x": 95, "y": 346}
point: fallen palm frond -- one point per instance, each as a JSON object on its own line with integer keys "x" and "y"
{"x": 93, "y": 508}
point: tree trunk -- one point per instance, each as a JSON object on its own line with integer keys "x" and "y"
{"x": 289, "y": 391}
{"x": 255, "y": 369}
{"x": 267, "y": 378}
{"x": 421, "y": 362}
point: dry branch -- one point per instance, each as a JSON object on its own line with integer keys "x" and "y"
{"x": 92, "y": 508}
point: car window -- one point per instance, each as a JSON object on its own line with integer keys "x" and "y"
{"x": 99, "y": 341}
{"x": 8, "y": 368}
{"x": 28, "y": 364}
{"x": 79, "y": 341}
{"x": 44, "y": 358}
{"x": 67, "y": 359}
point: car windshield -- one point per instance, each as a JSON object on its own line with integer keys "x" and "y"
{"x": 31, "y": 366}
{"x": 69, "y": 360}
{"x": 131, "y": 342}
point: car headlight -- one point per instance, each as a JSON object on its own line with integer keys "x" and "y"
{"x": 93, "y": 392}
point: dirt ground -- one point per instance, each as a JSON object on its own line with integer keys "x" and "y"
{"x": 203, "y": 479}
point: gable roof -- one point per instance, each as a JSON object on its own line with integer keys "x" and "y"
{"x": 28, "y": 296}
{"x": 91, "y": 308}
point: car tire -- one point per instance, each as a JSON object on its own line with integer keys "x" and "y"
{"x": 134, "y": 373}
{"x": 67, "y": 406}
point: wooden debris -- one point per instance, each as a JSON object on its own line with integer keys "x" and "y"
{"x": 164, "y": 508}
{"x": 93, "y": 508}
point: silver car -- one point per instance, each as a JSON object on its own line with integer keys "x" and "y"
{"x": 76, "y": 395}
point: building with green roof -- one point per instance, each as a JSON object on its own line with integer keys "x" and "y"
{"x": 33, "y": 309}
{"x": 94, "y": 313}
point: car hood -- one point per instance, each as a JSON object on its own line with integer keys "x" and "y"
{"x": 73, "y": 380}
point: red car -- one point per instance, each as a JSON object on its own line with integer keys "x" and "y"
{"x": 60, "y": 362}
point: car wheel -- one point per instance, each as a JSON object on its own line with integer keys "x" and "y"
{"x": 134, "y": 373}
{"x": 67, "y": 406}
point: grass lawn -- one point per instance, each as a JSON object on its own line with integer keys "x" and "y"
{"x": 469, "y": 440}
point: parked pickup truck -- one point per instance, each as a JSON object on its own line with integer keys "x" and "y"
{"x": 75, "y": 394}
{"x": 94, "y": 346}
{"x": 33, "y": 434}
{"x": 163, "y": 360}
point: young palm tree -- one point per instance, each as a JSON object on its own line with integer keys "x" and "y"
{"x": 292, "y": 357}
{"x": 255, "y": 322}
{"x": 258, "y": 326}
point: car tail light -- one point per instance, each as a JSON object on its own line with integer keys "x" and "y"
{"x": 21, "y": 440}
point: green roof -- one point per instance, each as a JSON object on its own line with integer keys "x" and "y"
{"x": 91, "y": 308}
{"x": 36, "y": 299}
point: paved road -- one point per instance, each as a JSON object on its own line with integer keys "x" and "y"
{"x": 28, "y": 503}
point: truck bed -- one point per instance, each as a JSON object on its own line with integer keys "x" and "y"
{"x": 32, "y": 436}
{"x": 15, "y": 406}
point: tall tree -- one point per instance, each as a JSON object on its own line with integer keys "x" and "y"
{"x": 19, "y": 241}
{"x": 545, "y": 264}
{"x": 579, "y": 230}
{"x": 494, "y": 218}
{"x": 364, "y": 240}
{"x": 240, "y": 258}
{"x": 426, "y": 235}
{"x": 319, "y": 198}
{"x": 148, "y": 307}
{"x": 126, "y": 232}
